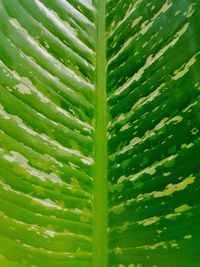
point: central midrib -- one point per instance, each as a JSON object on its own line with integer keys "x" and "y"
{"x": 100, "y": 250}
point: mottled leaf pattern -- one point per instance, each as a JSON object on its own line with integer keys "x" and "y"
{"x": 47, "y": 72}
{"x": 153, "y": 100}
{"x": 53, "y": 144}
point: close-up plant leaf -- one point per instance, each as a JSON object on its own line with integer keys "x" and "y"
{"x": 99, "y": 133}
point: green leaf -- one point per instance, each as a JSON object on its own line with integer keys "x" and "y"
{"x": 99, "y": 133}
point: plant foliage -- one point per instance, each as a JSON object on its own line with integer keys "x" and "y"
{"x": 99, "y": 133}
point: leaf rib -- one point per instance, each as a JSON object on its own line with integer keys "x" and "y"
{"x": 100, "y": 180}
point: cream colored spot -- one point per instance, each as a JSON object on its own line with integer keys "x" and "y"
{"x": 157, "y": 245}
{"x": 87, "y": 161}
{"x": 182, "y": 208}
{"x": 171, "y": 216}
{"x": 161, "y": 123}
{"x": 136, "y": 21}
{"x": 23, "y": 89}
{"x": 166, "y": 173}
{"x": 176, "y": 119}
{"x": 16, "y": 157}
{"x": 149, "y": 221}
{"x": 132, "y": 143}
{"x": 184, "y": 69}
{"x": 53, "y": 177}
{"x": 47, "y": 203}
{"x": 118, "y": 209}
{"x": 3, "y": 113}
{"x": 125, "y": 127}
{"x": 15, "y": 23}
{"x": 171, "y": 188}
{"x": 187, "y": 145}
{"x": 5, "y": 186}
{"x": 50, "y": 233}
{"x": 150, "y": 171}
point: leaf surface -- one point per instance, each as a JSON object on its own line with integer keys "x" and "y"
{"x": 99, "y": 133}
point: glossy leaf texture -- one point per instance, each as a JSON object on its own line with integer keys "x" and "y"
{"x": 47, "y": 53}
{"x": 153, "y": 103}
{"x": 50, "y": 125}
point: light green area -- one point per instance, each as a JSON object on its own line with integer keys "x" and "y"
{"x": 100, "y": 176}
{"x": 99, "y": 133}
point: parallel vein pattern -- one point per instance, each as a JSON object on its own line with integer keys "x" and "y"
{"x": 47, "y": 75}
{"x": 153, "y": 133}
{"x": 53, "y": 160}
